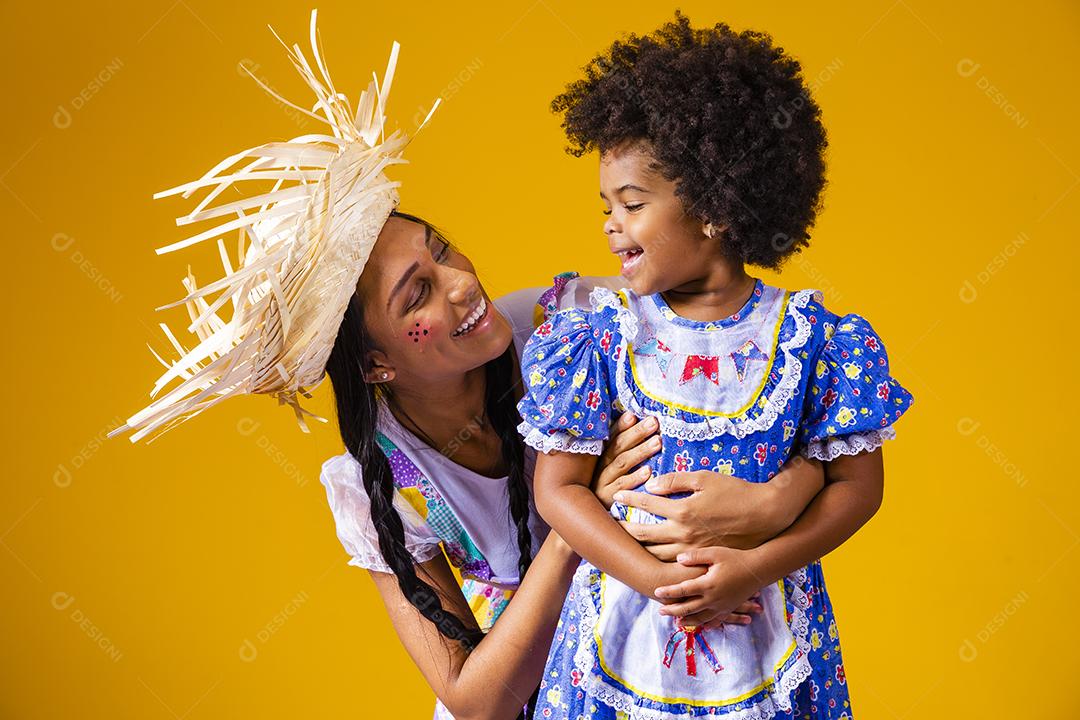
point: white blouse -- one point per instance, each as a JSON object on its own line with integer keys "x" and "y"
{"x": 480, "y": 503}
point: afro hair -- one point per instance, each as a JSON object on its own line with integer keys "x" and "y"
{"x": 727, "y": 116}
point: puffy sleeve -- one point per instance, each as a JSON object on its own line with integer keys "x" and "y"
{"x": 852, "y": 400}
{"x": 351, "y": 508}
{"x": 569, "y": 289}
{"x": 567, "y": 403}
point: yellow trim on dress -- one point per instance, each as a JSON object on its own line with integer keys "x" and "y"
{"x": 712, "y": 413}
{"x": 688, "y": 701}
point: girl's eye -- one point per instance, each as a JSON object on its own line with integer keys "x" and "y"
{"x": 444, "y": 253}
{"x": 632, "y": 207}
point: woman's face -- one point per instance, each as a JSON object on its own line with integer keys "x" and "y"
{"x": 425, "y": 309}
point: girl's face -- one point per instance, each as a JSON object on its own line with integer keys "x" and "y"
{"x": 425, "y": 308}
{"x": 662, "y": 247}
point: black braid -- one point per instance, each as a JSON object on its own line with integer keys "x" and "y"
{"x": 358, "y": 411}
{"x": 502, "y": 411}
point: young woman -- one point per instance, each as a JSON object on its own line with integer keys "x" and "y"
{"x": 426, "y": 376}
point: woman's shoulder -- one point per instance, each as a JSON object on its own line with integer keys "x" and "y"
{"x": 581, "y": 291}
{"x": 530, "y": 306}
{"x": 350, "y": 506}
{"x": 527, "y": 308}
{"x": 341, "y": 469}
{"x": 606, "y": 322}
{"x": 342, "y": 477}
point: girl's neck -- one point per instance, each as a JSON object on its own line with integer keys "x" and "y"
{"x": 719, "y": 294}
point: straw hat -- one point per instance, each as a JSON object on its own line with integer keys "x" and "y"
{"x": 301, "y": 248}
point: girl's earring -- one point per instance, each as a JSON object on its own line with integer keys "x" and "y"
{"x": 384, "y": 375}
{"x": 709, "y": 230}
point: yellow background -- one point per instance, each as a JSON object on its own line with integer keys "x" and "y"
{"x": 200, "y": 577}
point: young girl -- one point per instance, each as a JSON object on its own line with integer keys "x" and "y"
{"x": 711, "y": 158}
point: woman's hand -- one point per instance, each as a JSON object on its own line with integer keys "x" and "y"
{"x": 721, "y": 510}
{"x": 630, "y": 446}
{"x": 715, "y": 597}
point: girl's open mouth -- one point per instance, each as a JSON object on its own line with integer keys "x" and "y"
{"x": 630, "y": 259}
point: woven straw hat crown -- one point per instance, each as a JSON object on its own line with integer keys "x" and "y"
{"x": 300, "y": 250}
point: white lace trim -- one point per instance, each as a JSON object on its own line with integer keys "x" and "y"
{"x": 833, "y": 447}
{"x": 800, "y": 619}
{"x": 564, "y": 442}
{"x": 369, "y": 561}
{"x": 709, "y": 427}
{"x": 601, "y": 298}
{"x": 779, "y": 699}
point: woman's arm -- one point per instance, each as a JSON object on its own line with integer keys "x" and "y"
{"x": 852, "y": 495}
{"x": 721, "y": 509}
{"x": 496, "y": 679}
{"x": 566, "y": 502}
{"x": 629, "y": 445}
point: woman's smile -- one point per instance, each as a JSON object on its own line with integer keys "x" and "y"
{"x": 475, "y": 321}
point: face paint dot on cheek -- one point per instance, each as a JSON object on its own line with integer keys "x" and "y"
{"x": 422, "y": 332}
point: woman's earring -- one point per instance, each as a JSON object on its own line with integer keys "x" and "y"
{"x": 709, "y": 230}
{"x": 384, "y": 375}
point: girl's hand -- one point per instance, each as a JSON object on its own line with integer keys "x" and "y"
{"x": 630, "y": 446}
{"x": 721, "y": 510}
{"x": 742, "y": 615}
{"x": 711, "y": 598}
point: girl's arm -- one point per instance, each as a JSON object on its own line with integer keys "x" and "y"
{"x": 496, "y": 678}
{"x": 852, "y": 495}
{"x": 721, "y": 509}
{"x": 565, "y": 500}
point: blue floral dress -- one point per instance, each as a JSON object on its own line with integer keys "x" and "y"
{"x": 735, "y": 396}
